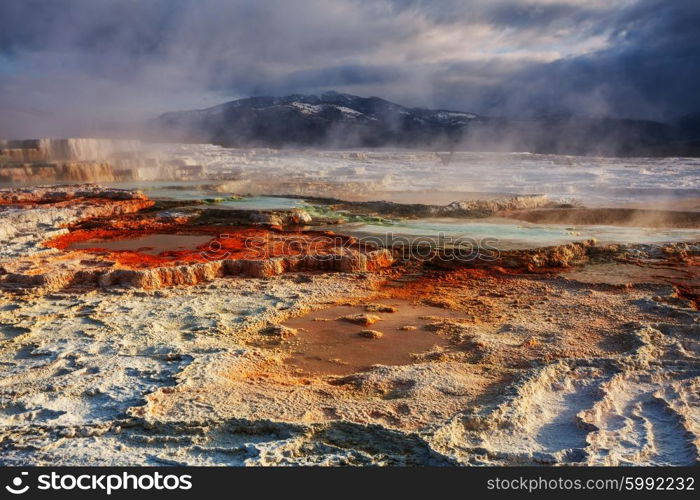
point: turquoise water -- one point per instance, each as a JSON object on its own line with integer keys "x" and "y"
{"x": 517, "y": 235}
{"x": 172, "y": 190}
{"x": 197, "y": 191}
{"x": 263, "y": 203}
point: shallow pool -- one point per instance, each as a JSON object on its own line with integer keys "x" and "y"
{"x": 262, "y": 203}
{"x": 507, "y": 234}
{"x": 151, "y": 244}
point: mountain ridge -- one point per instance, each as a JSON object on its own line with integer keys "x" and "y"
{"x": 338, "y": 120}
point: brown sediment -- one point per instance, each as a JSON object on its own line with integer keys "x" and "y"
{"x": 493, "y": 299}
{"x": 337, "y": 345}
{"x": 542, "y": 260}
{"x": 150, "y": 244}
{"x": 635, "y": 273}
{"x": 466, "y": 310}
{"x": 633, "y": 217}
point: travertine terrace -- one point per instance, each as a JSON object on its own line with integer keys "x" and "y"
{"x": 224, "y": 352}
{"x": 254, "y": 246}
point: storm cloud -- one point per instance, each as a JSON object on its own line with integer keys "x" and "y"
{"x": 77, "y": 66}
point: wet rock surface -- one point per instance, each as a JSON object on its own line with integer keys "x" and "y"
{"x": 371, "y": 334}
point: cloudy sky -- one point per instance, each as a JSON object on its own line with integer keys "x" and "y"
{"x": 75, "y": 65}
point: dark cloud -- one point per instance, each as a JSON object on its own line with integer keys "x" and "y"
{"x": 78, "y": 64}
{"x": 508, "y": 13}
{"x": 650, "y": 69}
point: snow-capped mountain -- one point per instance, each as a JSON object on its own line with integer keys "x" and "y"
{"x": 336, "y": 120}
